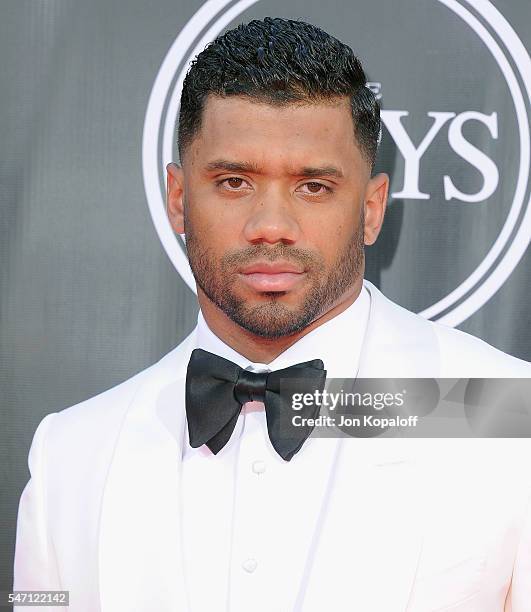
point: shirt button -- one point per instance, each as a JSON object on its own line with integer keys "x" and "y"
{"x": 259, "y": 467}
{"x": 249, "y": 565}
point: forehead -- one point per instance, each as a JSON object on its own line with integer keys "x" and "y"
{"x": 278, "y": 136}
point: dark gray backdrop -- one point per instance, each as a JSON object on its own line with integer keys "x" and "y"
{"x": 88, "y": 297}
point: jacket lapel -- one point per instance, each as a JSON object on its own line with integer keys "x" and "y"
{"x": 376, "y": 514}
{"x": 140, "y": 564}
{"x": 367, "y": 536}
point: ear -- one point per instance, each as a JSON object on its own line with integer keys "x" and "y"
{"x": 175, "y": 197}
{"x": 375, "y": 202}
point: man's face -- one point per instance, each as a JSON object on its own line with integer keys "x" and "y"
{"x": 272, "y": 201}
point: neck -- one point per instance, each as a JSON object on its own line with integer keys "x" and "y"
{"x": 264, "y": 350}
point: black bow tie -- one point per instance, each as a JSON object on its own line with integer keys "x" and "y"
{"x": 217, "y": 388}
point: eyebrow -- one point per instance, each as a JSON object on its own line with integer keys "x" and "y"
{"x": 310, "y": 172}
{"x": 231, "y": 166}
{"x": 307, "y": 171}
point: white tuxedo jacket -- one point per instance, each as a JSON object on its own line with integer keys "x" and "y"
{"x": 411, "y": 525}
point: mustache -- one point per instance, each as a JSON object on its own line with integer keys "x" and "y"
{"x": 280, "y": 251}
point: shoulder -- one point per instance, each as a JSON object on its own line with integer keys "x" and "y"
{"x": 97, "y": 416}
{"x": 460, "y": 354}
{"x": 462, "y": 351}
{"x": 91, "y": 425}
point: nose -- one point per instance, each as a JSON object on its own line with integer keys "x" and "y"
{"x": 272, "y": 220}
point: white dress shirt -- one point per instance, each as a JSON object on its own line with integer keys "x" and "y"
{"x": 226, "y": 551}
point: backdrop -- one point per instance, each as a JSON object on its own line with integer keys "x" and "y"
{"x": 94, "y": 287}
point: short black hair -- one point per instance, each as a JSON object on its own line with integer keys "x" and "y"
{"x": 279, "y": 61}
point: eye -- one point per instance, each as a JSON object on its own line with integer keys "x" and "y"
{"x": 315, "y": 188}
{"x": 233, "y": 183}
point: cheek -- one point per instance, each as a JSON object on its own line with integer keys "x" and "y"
{"x": 345, "y": 228}
{"x": 201, "y": 213}
{"x": 222, "y": 221}
{"x": 214, "y": 229}
{"x": 330, "y": 238}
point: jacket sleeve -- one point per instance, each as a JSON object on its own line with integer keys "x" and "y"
{"x": 519, "y": 597}
{"x": 34, "y": 562}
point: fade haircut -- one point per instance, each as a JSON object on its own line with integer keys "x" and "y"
{"x": 279, "y": 62}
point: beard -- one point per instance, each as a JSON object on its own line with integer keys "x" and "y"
{"x": 273, "y": 319}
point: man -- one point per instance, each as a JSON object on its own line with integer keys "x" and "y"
{"x": 168, "y": 493}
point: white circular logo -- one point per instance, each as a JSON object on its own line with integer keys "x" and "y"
{"x": 514, "y": 63}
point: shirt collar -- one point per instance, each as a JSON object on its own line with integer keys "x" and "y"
{"x": 338, "y": 343}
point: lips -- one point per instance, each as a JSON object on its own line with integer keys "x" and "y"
{"x": 275, "y": 276}
{"x": 272, "y": 267}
